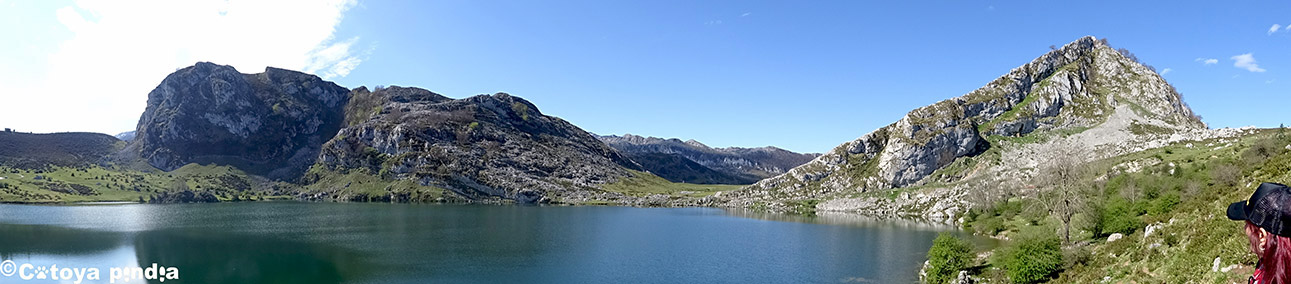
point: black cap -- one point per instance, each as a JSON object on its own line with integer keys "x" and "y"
{"x": 1269, "y": 207}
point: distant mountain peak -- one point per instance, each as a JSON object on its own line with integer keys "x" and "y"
{"x": 722, "y": 165}
{"x": 1083, "y": 85}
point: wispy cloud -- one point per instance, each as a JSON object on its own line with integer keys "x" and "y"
{"x": 1207, "y": 61}
{"x": 746, "y": 14}
{"x": 713, "y": 22}
{"x": 118, "y": 51}
{"x": 1166, "y": 71}
{"x": 1275, "y": 28}
{"x": 1246, "y": 61}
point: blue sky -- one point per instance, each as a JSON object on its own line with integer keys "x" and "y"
{"x": 804, "y": 76}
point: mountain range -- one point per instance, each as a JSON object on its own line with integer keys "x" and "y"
{"x": 316, "y": 140}
{"x": 693, "y": 162}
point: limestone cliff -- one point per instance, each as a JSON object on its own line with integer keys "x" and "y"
{"x": 1078, "y": 88}
{"x": 482, "y": 147}
{"x": 268, "y": 124}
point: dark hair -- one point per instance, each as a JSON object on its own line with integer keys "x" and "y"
{"x": 1276, "y": 260}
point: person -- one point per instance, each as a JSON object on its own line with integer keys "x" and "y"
{"x": 1268, "y": 227}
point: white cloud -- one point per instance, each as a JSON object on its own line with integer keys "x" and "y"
{"x": 746, "y": 14}
{"x": 99, "y": 78}
{"x": 1246, "y": 61}
{"x": 1165, "y": 71}
{"x": 1207, "y": 61}
{"x": 1275, "y": 28}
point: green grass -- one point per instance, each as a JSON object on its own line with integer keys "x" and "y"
{"x": 643, "y": 184}
{"x": 1182, "y": 191}
{"x": 359, "y": 185}
{"x": 116, "y": 184}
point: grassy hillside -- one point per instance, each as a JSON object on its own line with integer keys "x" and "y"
{"x": 363, "y": 186}
{"x": 58, "y": 184}
{"x": 1167, "y": 203}
{"x": 30, "y": 151}
{"x": 642, "y": 184}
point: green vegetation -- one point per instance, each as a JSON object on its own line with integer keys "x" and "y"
{"x": 521, "y": 109}
{"x": 1180, "y": 191}
{"x": 643, "y": 184}
{"x": 363, "y": 105}
{"x": 1033, "y": 257}
{"x": 363, "y": 186}
{"x": 56, "y": 184}
{"x": 948, "y": 255}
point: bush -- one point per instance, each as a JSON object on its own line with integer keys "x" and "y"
{"x": 989, "y": 226}
{"x": 1120, "y": 216}
{"x": 1163, "y": 204}
{"x": 1033, "y": 257}
{"x": 948, "y": 255}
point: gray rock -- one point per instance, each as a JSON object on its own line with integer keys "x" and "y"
{"x": 1114, "y": 237}
{"x": 269, "y": 124}
{"x": 483, "y": 147}
{"x": 1085, "y": 87}
{"x": 963, "y": 278}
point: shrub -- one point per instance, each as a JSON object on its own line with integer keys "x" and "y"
{"x": 1120, "y": 216}
{"x": 1163, "y": 204}
{"x": 989, "y": 225}
{"x": 1032, "y": 257}
{"x": 948, "y": 255}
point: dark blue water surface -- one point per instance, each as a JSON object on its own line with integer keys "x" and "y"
{"x": 289, "y": 242}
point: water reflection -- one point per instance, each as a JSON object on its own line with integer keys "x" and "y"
{"x": 204, "y": 257}
{"x": 18, "y": 239}
{"x": 846, "y": 219}
{"x": 289, "y": 242}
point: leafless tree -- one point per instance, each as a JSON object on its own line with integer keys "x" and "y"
{"x": 1062, "y": 178}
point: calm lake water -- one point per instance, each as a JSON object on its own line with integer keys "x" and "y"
{"x": 290, "y": 242}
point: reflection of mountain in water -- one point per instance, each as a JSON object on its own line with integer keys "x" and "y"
{"x": 218, "y": 258}
{"x": 46, "y": 239}
{"x": 845, "y": 219}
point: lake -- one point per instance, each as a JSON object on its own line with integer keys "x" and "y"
{"x": 296, "y": 242}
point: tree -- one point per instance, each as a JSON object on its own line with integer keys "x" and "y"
{"x": 948, "y": 255}
{"x": 1062, "y": 176}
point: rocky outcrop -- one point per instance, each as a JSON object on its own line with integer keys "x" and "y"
{"x": 268, "y": 124}
{"x": 731, "y": 165}
{"x": 1085, "y": 86}
{"x": 482, "y": 147}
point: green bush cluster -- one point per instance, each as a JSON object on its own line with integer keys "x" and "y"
{"x": 1119, "y": 216}
{"x": 1033, "y": 257}
{"x": 991, "y": 220}
{"x": 948, "y": 255}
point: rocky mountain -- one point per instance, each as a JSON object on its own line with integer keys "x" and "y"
{"x": 669, "y": 159}
{"x": 125, "y": 136}
{"x": 268, "y": 124}
{"x": 482, "y": 147}
{"x": 1085, "y": 95}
